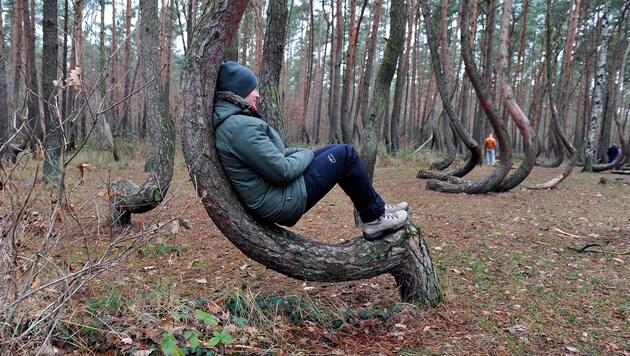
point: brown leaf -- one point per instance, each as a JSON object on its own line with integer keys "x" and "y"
{"x": 58, "y": 85}
{"x": 36, "y": 284}
{"x": 74, "y": 79}
{"x": 168, "y": 322}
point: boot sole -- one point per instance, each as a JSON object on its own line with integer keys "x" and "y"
{"x": 378, "y": 235}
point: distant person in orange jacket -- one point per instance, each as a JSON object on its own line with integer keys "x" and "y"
{"x": 490, "y": 144}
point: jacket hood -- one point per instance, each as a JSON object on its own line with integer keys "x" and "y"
{"x": 227, "y": 104}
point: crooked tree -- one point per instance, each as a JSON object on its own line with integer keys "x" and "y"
{"x": 402, "y": 254}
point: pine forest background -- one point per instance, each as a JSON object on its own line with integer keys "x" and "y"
{"x": 332, "y": 50}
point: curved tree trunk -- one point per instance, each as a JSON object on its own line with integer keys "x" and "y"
{"x": 558, "y": 148}
{"x": 563, "y": 141}
{"x": 127, "y": 198}
{"x": 456, "y": 123}
{"x": 457, "y": 185}
{"x": 402, "y": 254}
{"x": 517, "y": 114}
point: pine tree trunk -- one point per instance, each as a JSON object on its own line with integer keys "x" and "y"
{"x": 32, "y": 97}
{"x": 348, "y": 77}
{"x": 4, "y": 114}
{"x": 364, "y": 92}
{"x": 52, "y": 141}
{"x": 380, "y": 101}
{"x": 270, "y": 106}
{"x": 128, "y": 198}
{"x": 335, "y": 77}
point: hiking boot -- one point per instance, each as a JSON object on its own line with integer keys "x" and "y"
{"x": 388, "y": 222}
{"x": 392, "y": 208}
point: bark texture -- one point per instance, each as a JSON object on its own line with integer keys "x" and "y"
{"x": 380, "y": 101}
{"x": 518, "y": 116}
{"x": 402, "y": 254}
{"x": 456, "y": 123}
{"x": 598, "y": 99}
{"x": 4, "y": 114}
{"x": 127, "y": 198}
{"x": 52, "y": 140}
{"x": 270, "y": 105}
{"x": 455, "y": 184}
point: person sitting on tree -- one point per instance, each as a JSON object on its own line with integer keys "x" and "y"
{"x": 612, "y": 153}
{"x": 278, "y": 184}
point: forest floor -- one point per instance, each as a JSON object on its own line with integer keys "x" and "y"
{"x": 512, "y": 282}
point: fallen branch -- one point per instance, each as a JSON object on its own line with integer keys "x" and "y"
{"x": 587, "y": 249}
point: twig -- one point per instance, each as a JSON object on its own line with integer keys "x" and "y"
{"x": 565, "y": 233}
{"x": 585, "y": 249}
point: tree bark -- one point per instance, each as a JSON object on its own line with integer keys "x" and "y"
{"x": 402, "y": 254}
{"x": 32, "y": 96}
{"x": 270, "y": 106}
{"x": 596, "y": 111}
{"x": 514, "y": 109}
{"x": 127, "y": 198}
{"x": 364, "y": 91}
{"x": 456, "y": 123}
{"x": 380, "y": 100}
{"x": 348, "y": 78}
{"x": 4, "y": 114}
{"x": 53, "y": 139}
{"x": 335, "y": 76}
{"x": 457, "y": 185}
{"x": 124, "y": 121}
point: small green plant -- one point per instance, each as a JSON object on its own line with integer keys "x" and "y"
{"x": 161, "y": 249}
{"x": 239, "y": 321}
{"x": 169, "y": 344}
{"x": 220, "y": 338}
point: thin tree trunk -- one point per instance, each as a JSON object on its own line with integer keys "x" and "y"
{"x": 4, "y": 114}
{"x": 335, "y": 77}
{"x": 457, "y": 185}
{"x": 348, "y": 78}
{"x": 554, "y": 112}
{"x": 16, "y": 50}
{"x": 270, "y": 106}
{"x": 378, "y": 107}
{"x": 596, "y": 111}
{"x": 34, "y": 120}
{"x": 128, "y": 198}
{"x": 52, "y": 141}
{"x": 517, "y": 114}
{"x": 440, "y": 74}
{"x": 364, "y": 92}
{"x": 124, "y": 122}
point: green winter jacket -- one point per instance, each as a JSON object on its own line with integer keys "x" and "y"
{"x": 267, "y": 178}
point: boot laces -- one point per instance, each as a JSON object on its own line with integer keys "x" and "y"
{"x": 390, "y": 216}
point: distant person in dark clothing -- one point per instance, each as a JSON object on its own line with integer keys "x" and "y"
{"x": 613, "y": 153}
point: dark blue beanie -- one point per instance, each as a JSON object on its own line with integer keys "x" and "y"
{"x": 237, "y": 79}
